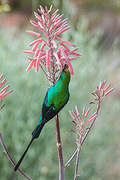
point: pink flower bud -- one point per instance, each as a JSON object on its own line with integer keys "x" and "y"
{"x": 51, "y": 28}
{"x": 92, "y": 117}
{"x": 87, "y": 112}
{"x": 37, "y": 65}
{"x": 106, "y": 94}
{"x": 72, "y": 115}
{"x": 43, "y": 19}
{"x": 61, "y": 31}
{"x": 77, "y": 111}
{"x": 42, "y": 47}
{"x": 47, "y": 59}
{"x": 54, "y": 15}
{"x": 36, "y": 53}
{"x": 33, "y": 33}
{"x": 70, "y": 67}
{"x": 64, "y": 46}
{"x": 42, "y": 10}
{"x": 57, "y": 58}
{"x": 65, "y": 42}
{"x": 63, "y": 53}
{"x": 5, "y": 94}
{"x": 1, "y": 76}
{"x": 50, "y": 9}
{"x": 56, "y": 23}
{"x": 30, "y": 65}
{"x": 36, "y": 41}
{"x": 46, "y": 8}
{"x": 3, "y": 82}
{"x": 74, "y": 53}
{"x": 29, "y": 51}
{"x": 83, "y": 112}
{"x": 4, "y": 89}
{"x": 34, "y": 23}
{"x": 58, "y": 19}
{"x": 38, "y": 17}
{"x": 101, "y": 86}
{"x": 107, "y": 88}
{"x": 35, "y": 46}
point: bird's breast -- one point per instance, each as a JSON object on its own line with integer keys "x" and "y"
{"x": 58, "y": 97}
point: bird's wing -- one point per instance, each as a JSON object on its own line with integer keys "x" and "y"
{"x": 48, "y": 111}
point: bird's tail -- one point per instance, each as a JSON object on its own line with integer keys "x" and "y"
{"x": 22, "y": 157}
{"x": 35, "y": 134}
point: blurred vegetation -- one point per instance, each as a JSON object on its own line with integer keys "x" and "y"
{"x": 100, "y": 156}
{"x": 113, "y": 5}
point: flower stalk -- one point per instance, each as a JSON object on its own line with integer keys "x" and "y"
{"x": 59, "y": 148}
{"x": 10, "y": 158}
{"x": 82, "y": 121}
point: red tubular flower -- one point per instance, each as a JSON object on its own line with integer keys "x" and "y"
{"x": 3, "y": 91}
{"x": 54, "y": 52}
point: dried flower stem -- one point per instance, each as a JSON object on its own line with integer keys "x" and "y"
{"x": 71, "y": 158}
{"x": 59, "y": 148}
{"x": 99, "y": 94}
{"x": 85, "y": 136}
{"x": 10, "y": 158}
{"x": 83, "y": 139}
{"x": 77, "y": 159}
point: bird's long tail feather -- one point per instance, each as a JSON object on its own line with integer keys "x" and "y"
{"x": 22, "y": 157}
{"x": 36, "y": 132}
{"x": 35, "y": 135}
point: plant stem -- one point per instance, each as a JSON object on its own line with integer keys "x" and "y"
{"x": 59, "y": 148}
{"x": 85, "y": 136}
{"x": 71, "y": 158}
{"x": 10, "y": 158}
{"x": 77, "y": 159}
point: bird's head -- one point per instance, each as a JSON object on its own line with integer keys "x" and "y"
{"x": 65, "y": 75}
{"x": 66, "y": 69}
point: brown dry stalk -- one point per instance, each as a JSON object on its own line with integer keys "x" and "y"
{"x": 10, "y": 158}
{"x": 84, "y": 137}
{"x": 59, "y": 148}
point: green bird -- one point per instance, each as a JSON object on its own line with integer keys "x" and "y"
{"x": 56, "y": 98}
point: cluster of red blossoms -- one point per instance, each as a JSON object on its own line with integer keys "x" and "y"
{"x": 50, "y": 51}
{"x": 4, "y": 92}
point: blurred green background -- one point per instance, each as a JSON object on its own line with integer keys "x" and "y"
{"x": 96, "y": 30}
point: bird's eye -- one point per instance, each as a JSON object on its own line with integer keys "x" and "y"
{"x": 65, "y": 66}
{"x": 66, "y": 69}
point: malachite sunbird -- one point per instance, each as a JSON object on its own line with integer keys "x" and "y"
{"x": 56, "y": 98}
